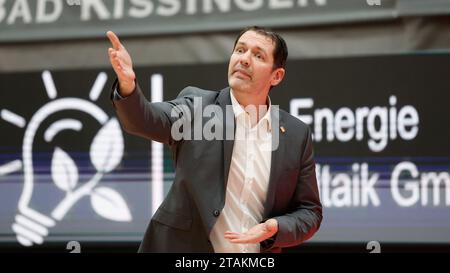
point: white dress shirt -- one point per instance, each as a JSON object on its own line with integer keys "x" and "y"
{"x": 248, "y": 180}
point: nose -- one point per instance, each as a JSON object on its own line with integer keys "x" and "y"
{"x": 245, "y": 59}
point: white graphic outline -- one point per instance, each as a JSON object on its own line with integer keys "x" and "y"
{"x": 106, "y": 151}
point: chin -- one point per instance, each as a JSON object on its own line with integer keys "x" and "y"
{"x": 238, "y": 85}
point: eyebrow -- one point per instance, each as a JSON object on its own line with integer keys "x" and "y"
{"x": 259, "y": 48}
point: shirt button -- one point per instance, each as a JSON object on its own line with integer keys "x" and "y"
{"x": 216, "y": 212}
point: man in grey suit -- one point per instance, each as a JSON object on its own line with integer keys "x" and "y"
{"x": 255, "y": 191}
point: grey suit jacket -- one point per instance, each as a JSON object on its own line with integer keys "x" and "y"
{"x": 197, "y": 196}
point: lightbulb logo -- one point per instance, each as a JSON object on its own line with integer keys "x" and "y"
{"x": 32, "y": 225}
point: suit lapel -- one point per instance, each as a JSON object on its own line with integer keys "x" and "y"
{"x": 223, "y": 100}
{"x": 277, "y": 157}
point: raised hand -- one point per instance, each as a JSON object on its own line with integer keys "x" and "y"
{"x": 122, "y": 65}
{"x": 254, "y": 235}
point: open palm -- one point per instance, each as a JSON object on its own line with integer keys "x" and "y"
{"x": 255, "y": 234}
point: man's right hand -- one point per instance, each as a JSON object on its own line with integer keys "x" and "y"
{"x": 122, "y": 65}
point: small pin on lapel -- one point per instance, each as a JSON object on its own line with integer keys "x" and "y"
{"x": 282, "y": 129}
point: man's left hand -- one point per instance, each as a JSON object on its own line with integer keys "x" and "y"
{"x": 254, "y": 235}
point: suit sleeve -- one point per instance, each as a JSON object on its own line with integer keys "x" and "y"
{"x": 302, "y": 222}
{"x": 153, "y": 121}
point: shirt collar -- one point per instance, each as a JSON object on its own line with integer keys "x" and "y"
{"x": 239, "y": 110}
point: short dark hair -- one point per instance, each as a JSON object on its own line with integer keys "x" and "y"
{"x": 280, "y": 53}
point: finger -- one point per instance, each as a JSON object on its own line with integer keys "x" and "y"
{"x": 119, "y": 67}
{"x": 234, "y": 235}
{"x": 117, "y": 56}
{"x": 119, "y": 61}
{"x": 231, "y": 236}
{"x": 113, "y": 58}
{"x": 113, "y": 39}
{"x": 239, "y": 241}
{"x": 112, "y": 53}
{"x": 116, "y": 64}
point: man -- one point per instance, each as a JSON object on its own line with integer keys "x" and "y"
{"x": 229, "y": 195}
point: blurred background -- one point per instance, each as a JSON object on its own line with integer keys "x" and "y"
{"x": 371, "y": 79}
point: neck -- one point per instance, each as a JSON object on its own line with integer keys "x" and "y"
{"x": 257, "y": 100}
{"x": 246, "y": 98}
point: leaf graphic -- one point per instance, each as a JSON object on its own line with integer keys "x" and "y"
{"x": 64, "y": 170}
{"x": 107, "y": 147}
{"x": 109, "y": 204}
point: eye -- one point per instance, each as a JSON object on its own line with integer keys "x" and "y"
{"x": 239, "y": 50}
{"x": 259, "y": 56}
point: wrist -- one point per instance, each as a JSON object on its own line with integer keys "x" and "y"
{"x": 126, "y": 88}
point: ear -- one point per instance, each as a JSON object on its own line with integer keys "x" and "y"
{"x": 277, "y": 76}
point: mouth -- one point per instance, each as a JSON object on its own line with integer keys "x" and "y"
{"x": 241, "y": 72}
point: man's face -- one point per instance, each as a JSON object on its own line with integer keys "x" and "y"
{"x": 251, "y": 64}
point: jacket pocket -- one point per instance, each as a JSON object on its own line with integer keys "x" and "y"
{"x": 173, "y": 219}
